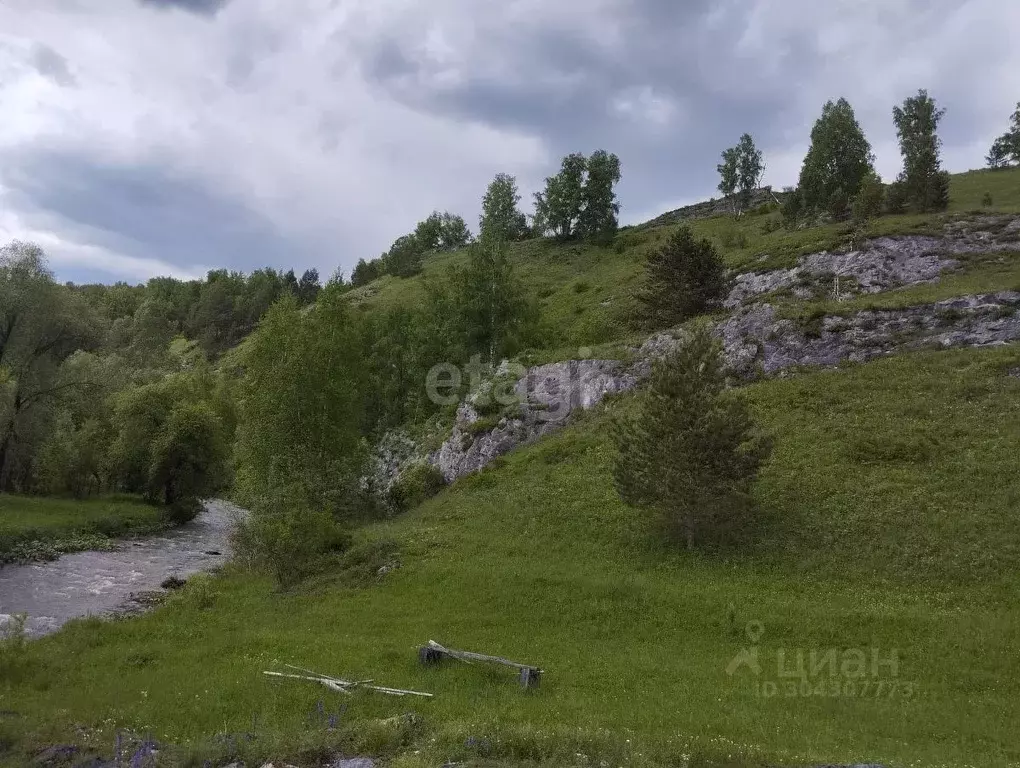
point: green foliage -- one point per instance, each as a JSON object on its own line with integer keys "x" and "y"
{"x": 793, "y": 208}
{"x": 439, "y": 231}
{"x": 691, "y": 451}
{"x": 485, "y": 307}
{"x": 580, "y": 200}
{"x": 749, "y": 168}
{"x": 728, "y": 173}
{"x": 303, "y": 408}
{"x": 171, "y": 439}
{"x": 291, "y": 540}
{"x": 683, "y": 278}
{"x": 839, "y": 158}
{"x": 501, "y": 221}
{"x": 404, "y": 257}
{"x": 188, "y": 459}
{"x": 986, "y": 201}
{"x": 363, "y": 562}
{"x": 366, "y": 271}
{"x": 41, "y": 325}
{"x": 1005, "y": 149}
{"x": 896, "y": 198}
{"x": 558, "y": 208}
{"x": 33, "y": 528}
{"x": 453, "y": 232}
{"x": 869, "y": 201}
{"x": 917, "y": 121}
{"x": 416, "y": 484}
{"x": 598, "y": 217}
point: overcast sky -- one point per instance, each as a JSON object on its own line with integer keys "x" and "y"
{"x": 148, "y": 137}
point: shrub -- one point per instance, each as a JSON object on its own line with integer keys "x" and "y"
{"x": 867, "y": 203}
{"x": 733, "y": 237}
{"x": 415, "y": 485}
{"x": 793, "y": 209}
{"x": 363, "y": 562}
{"x": 684, "y": 278}
{"x": 986, "y": 201}
{"x": 690, "y": 451}
{"x": 896, "y": 198}
{"x": 292, "y": 540}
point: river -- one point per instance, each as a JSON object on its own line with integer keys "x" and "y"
{"x": 97, "y": 583}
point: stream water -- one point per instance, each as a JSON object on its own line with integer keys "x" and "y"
{"x": 97, "y": 583}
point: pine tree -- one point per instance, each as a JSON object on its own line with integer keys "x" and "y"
{"x": 684, "y": 278}
{"x": 917, "y": 122}
{"x": 690, "y": 451}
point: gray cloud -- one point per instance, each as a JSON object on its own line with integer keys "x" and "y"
{"x": 195, "y": 6}
{"x": 249, "y": 133}
{"x": 52, "y": 65}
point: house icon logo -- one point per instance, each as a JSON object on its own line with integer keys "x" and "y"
{"x": 748, "y": 657}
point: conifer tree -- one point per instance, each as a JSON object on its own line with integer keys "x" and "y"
{"x": 689, "y": 452}
{"x": 683, "y": 278}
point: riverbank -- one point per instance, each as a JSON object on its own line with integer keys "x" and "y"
{"x": 34, "y": 528}
{"x": 106, "y": 582}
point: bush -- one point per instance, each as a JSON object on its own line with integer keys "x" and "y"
{"x": 415, "y": 485}
{"x": 733, "y": 237}
{"x": 896, "y": 198}
{"x": 867, "y": 203}
{"x": 986, "y": 201}
{"x": 684, "y": 278}
{"x": 363, "y": 562}
{"x": 793, "y": 209}
{"x": 838, "y": 206}
{"x": 292, "y": 541}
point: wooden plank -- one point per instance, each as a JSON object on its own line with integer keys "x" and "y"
{"x": 468, "y": 656}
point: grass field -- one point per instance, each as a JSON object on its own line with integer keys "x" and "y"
{"x": 33, "y": 527}
{"x": 888, "y": 527}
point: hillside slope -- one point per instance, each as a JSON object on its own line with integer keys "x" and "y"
{"x": 887, "y": 544}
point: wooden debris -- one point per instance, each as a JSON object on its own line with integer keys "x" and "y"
{"x": 344, "y": 686}
{"x": 434, "y": 653}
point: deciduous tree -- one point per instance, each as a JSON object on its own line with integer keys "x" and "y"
{"x": 917, "y": 122}
{"x": 838, "y": 160}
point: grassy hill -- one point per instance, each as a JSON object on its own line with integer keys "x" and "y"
{"x": 889, "y": 527}
{"x": 586, "y": 292}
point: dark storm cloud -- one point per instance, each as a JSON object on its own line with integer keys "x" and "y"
{"x": 146, "y": 212}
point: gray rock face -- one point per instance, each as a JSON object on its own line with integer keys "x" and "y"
{"x": 883, "y": 263}
{"x": 755, "y": 340}
{"x": 548, "y": 394}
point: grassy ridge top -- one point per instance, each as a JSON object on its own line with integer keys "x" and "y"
{"x": 586, "y": 292}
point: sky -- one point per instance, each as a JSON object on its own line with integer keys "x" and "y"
{"x": 169, "y": 137}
